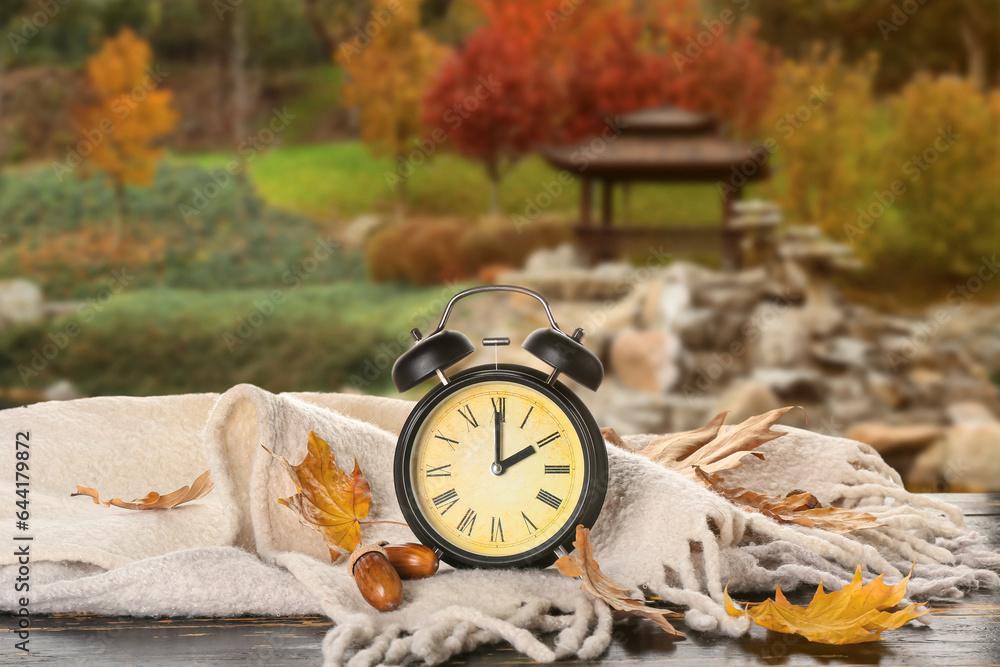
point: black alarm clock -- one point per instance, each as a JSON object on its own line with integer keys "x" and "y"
{"x": 497, "y": 465}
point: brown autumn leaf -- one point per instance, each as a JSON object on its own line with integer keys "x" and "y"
{"x": 797, "y": 507}
{"x": 329, "y": 500}
{"x": 153, "y": 500}
{"x": 851, "y": 615}
{"x": 712, "y": 449}
{"x": 582, "y": 564}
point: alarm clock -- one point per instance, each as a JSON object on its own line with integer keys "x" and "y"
{"x": 497, "y": 464}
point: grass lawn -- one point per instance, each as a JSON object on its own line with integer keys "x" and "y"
{"x": 344, "y": 179}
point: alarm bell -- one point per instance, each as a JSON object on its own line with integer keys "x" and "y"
{"x": 444, "y": 348}
{"x": 437, "y": 352}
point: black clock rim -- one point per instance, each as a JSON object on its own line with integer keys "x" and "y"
{"x": 591, "y": 498}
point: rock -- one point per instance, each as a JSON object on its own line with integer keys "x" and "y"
{"x": 925, "y": 474}
{"x": 804, "y": 384}
{"x": 664, "y": 302}
{"x": 968, "y": 412}
{"x": 646, "y": 361}
{"x": 696, "y": 327}
{"x": 545, "y": 259}
{"x": 782, "y": 337}
{"x": 842, "y": 351}
{"x": 972, "y": 458}
{"x": 62, "y": 390}
{"x": 926, "y": 380}
{"x": 887, "y": 437}
{"x": 627, "y": 411}
{"x": 746, "y": 399}
{"x": 886, "y": 389}
{"x": 21, "y": 302}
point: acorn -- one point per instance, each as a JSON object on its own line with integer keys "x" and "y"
{"x": 412, "y": 561}
{"x": 377, "y": 579}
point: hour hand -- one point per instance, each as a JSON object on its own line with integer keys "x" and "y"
{"x": 519, "y": 456}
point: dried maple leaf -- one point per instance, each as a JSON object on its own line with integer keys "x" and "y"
{"x": 153, "y": 500}
{"x": 851, "y": 615}
{"x": 582, "y": 564}
{"x": 797, "y": 507}
{"x": 329, "y": 500}
{"x": 711, "y": 449}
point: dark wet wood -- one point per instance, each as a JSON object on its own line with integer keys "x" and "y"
{"x": 965, "y": 632}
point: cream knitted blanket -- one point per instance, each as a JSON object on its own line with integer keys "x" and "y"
{"x": 237, "y": 551}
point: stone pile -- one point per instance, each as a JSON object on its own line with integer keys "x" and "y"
{"x": 681, "y": 343}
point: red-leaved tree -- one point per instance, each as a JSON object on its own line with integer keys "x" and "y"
{"x": 493, "y": 98}
{"x": 714, "y": 64}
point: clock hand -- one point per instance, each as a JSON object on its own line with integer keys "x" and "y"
{"x": 497, "y": 467}
{"x": 519, "y": 456}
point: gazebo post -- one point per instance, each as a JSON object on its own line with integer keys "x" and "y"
{"x": 586, "y": 201}
{"x": 731, "y": 255}
{"x": 606, "y": 195}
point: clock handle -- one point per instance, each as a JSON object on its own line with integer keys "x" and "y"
{"x": 496, "y": 288}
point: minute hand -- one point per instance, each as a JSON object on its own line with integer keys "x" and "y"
{"x": 519, "y": 456}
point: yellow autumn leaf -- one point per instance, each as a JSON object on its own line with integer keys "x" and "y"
{"x": 329, "y": 500}
{"x": 856, "y": 613}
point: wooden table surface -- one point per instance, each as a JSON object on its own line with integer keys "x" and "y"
{"x": 962, "y": 633}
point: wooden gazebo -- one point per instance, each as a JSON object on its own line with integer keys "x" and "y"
{"x": 664, "y": 144}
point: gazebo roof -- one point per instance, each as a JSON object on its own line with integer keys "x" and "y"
{"x": 657, "y": 158}
{"x": 666, "y": 120}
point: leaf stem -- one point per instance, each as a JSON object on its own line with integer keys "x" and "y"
{"x": 372, "y": 523}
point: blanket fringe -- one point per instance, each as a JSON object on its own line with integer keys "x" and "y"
{"x": 584, "y": 632}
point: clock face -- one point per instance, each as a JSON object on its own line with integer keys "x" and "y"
{"x": 506, "y": 510}
{"x": 499, "y": 470}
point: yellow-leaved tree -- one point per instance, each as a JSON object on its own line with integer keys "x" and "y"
{"x": 389, "y": 63}
{"x": 121, "y": 114}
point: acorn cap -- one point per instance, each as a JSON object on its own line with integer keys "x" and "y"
{"x": 360, "y": 551}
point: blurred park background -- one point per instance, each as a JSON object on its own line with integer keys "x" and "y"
{"x": 746, "y": 203}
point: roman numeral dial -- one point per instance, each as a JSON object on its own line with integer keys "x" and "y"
{"x": 464, "y": 501}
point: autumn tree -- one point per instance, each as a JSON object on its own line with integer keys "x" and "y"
{"x": 604, "y": 64}
{"x": 493, "y": 98}
{"x": 714, "y": 64}
{"x": 390, "y": 61}
{"x": 123, "y": 112}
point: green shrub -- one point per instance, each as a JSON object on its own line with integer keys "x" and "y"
{"x": 940, "y": 165}
{"x": 174, "y": 341}
{"x": 55, "y": 234}
{"x": 823, "y": 122}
